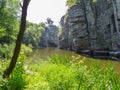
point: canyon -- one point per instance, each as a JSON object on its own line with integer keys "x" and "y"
{"x": 90, "y": 28}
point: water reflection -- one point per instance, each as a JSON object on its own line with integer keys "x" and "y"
{"x": 43, "y": 54}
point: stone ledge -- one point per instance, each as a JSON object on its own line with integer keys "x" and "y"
{"x": 113, "y": 55}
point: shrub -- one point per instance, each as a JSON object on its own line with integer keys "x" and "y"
{"x": 16, "y": 81}
{"x": 71, "y": 2}
{"x": 6, "y": 51}
{"x": 26, "y": 50}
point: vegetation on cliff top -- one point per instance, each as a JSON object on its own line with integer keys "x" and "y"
{"x": 70, "y": 3}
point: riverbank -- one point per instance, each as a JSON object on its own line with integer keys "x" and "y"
{"x": 55, "y": 69}
{"x": 60, "y": 72}
{"x": 44, "y": 53}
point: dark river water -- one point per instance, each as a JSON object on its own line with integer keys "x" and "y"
{"x": 43, "y": 54}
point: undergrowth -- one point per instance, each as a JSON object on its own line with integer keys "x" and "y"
{"x": 17, "y": 80}
{"x": 59, "y": 73}
{"x": 64, "y": 73}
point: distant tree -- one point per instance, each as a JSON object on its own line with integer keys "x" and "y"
{"x": 9, "y": 70}
{"x": 42, "y": 24}
{"x": 9, "y": 20}
{"x": 49, "y": 21}
{"x": 70, "y": 3}
{"x": 33, "y": 33}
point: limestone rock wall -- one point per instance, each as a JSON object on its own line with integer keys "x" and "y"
{"x": 92, "y": 26}
{"x": 49, "y": 38}
{"x": 64, "y": 39}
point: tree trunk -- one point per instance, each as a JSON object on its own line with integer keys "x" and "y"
{"x": 16, "y": 53}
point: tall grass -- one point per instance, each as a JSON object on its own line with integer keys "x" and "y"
{"x": 60, "y": 73}
{"x": 64, "y": 73}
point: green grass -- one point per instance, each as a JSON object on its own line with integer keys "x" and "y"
{"x": 60, "y": 73}
{"x": 63, "y": 73}
{"x": 17, "y": 80}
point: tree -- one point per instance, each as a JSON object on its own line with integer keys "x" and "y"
{"x": 49, "y": 21}
{"x": 33, "y": 33}
{"x": 8, "y": 20}
{"x": 70, "y": 3}
{"x": 9, "y": 70}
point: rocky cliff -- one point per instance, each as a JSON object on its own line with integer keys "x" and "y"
{"x": 92, "y": 26}
{"x": 49, "y": 37}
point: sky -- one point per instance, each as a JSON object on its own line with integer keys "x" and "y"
{"x": 40, "y": 10}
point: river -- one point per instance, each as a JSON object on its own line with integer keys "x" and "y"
{"x": 43, "y": 54}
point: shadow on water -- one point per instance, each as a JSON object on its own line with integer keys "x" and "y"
{"x": 43, "y": 54}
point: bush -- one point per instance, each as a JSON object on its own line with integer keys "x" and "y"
{"x": 6, "y": 51}
{"x": 26, "y": 50}
{"x": 17, "y": 80}
{"x": 70, "y": 3}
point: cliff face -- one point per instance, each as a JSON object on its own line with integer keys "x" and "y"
{"x": 92, "y": 26}
{"x": 49, "y": 38}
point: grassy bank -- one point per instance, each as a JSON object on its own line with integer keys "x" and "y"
{"x": 62, "y": 73}
{"x": 65, "y": 73}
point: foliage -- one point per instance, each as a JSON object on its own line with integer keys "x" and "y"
{"x": 33, "y": 33}
{"x": 17, "y": 80}
{"x": 6, "y": 50}
{"x": 60, "y": 73}
{"x": 94, "y": 1}
{"x": 25, "y": 50}
{"x": 71, "y": 74}
{"x": 49, "y": 21}
{"x": 70, "y": 3}
{"x": 9, "y": 20}
{"x": 59, "y": 30}
{"x": 59, "y": 77}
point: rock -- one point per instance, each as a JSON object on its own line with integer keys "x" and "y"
{"x": 65, "y": 38}
{"x": 92, "y": 26}
{"x": 115, "y": 55}
{"x": 101, "y": 54}
{"x": 86, "y": 52}
{"x": 49, "y": 38}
